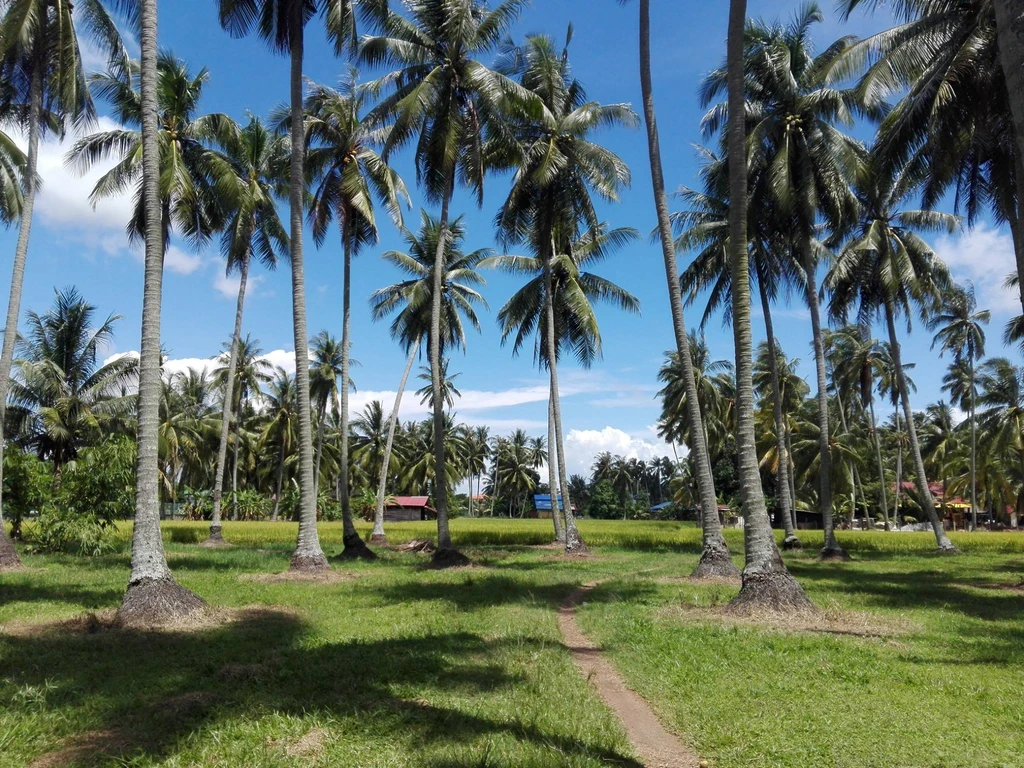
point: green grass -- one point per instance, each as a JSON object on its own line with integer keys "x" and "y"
{"x": 404, "y": 666}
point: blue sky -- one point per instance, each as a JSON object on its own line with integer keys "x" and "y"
{"x": 611, "y": 407}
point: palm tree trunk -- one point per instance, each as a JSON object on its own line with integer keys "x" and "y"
{"x": 767, "y": 582}
{"x": 278, "y": 484}
{"x": 216, "y": 537}
{"x": 446, "y": 553}
{"x": 9, "y": 559}
{"x": 378, "y": 536}
{"x": 878, "y": 459}
{"x": 974, "y": 456}
{"x": 308, "y": 555}
{"x": 715, "y": 555}
{"x": 556, "y": 509}
{"x": 152, "y": 597}
{"x": 792, "y": 471}
{"x": 790, "y": 540}
{"x": 899, "y": 469}
{"x": 1010, "y": 41}
{"x": 234, "y": 461}
{"x": 851, "y": 471}
{"x": 927, "y": 504}
{"x": 353, "y": 542}
{"x": 831, "y": 550}
{"x": 574, "y": 544}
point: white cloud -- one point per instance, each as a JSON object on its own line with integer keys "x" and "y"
{"x": 182, "y": 262}
{"x": 983, "y": 255}
{"x": 227, "y": 285}
{"x": 582, "y": 445}
{"x": 172, "y": 365}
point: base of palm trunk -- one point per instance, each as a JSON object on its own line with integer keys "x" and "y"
{"x": 769, "y": 588}
{"x": 715, "y": 563}
{"x": 9, "y": 558}
{"x": 833, "y": 555}
{"x": 449, "y": 558}
{"x": 792, "y": 543}
{"x": 158, "y": 602}
{"x": 947, "y": 548}
{"x": 215, "y": 540}
{"x": 309, "y": 563}
{"x": 356, "y": 549}
{"x": 380, "y": 539}
{"x": 575, "y": 546}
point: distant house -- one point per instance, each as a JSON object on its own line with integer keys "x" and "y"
{"x": 403, "y": 509}
{"x": 542, "y": 505}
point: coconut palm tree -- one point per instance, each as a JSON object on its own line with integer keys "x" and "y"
{"x": 441, "y": 94}
{"x": 281, "y": 24}
{"x": 247, "y": 178}
{"x": 280, "y": 432}
{"x": 347, "y": 175}
{"x": 61, "y": 398}
{"x": 558, "y": 171}
{"x": 152, "y": 596}
{"x": 41, "y": 70}
{"x": 958, "y": 327}
{"x": 411, "y": 301}
{"x": 805, "y": 162}
{"x": 888, "y": 270}
{"x": 476, "y": 441}
{"x": 449, "y": 392}
{"x": 714, "y": 544}
{"x": 1010, "y": 37}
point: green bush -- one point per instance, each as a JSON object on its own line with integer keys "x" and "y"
{"x": 28, "y": 484}
{"x": 72, "y": 532}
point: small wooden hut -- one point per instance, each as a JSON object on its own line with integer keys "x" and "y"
{"x": 404, "y": 509}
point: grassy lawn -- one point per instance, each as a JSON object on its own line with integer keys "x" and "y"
{"x": 404, "y": 666}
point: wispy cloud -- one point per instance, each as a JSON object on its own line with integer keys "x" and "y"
{"x": 983, "y": 255}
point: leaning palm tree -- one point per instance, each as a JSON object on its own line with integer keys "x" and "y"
{"x": 41, "y": 69}
{"x": 715, "y": 549}
{"x": 442, "y": 95}
{"x": 281, "y": 23}
{"x": 804, "y": 163}
{"x": 348, "y": 174}
{"x": 153, "y": 596}
{"x": 246, "y": 179}
{"x": 958, "y": 327}
{"x": 888, "y": 270}
{"x": 413, "y": 301}
{"x": 558, "y": 171}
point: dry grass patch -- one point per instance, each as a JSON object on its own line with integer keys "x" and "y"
{"x": 86, "y": 749}
{"x": 322, "y": 576}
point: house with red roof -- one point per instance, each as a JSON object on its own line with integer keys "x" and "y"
{"x": 404, "y": 509}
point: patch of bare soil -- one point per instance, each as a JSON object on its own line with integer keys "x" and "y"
{"x": 1001, "y": 586}
{"x": 831, "y": 621}
{"x": 107, "y": 621}
{"x": 86, "y": 748}
{"x": 653, "y": 743}
{"x": 322, "y": 576}
{"x": 576, "y": 557}
{"x": 310, "y": 745}
{"x": 706, "y": 581}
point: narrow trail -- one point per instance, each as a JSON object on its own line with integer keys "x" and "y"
{"x": 656, "y": 747}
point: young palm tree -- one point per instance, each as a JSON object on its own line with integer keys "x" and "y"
{"x": 246, "y": 179}
{"x": 348, "y": 174}
{"x": 281, "y": 23}
{"x": 715, "y": 549}
{"x": 888, "y": 269}
{"x": 153, "y": 596}
{"x": 1002, "y": 415}
{"x": 40, "y": 68}
{"x": 445, "y": 97}
{"x": 958, "y": 327}
{"x": 804, "y": 161}
{"x": 558, "y": 169}
{"x": 413, "y": 301}
{"x": 280, "y": 432}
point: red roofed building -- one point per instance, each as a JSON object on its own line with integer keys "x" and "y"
{"x": 403, "y": 509}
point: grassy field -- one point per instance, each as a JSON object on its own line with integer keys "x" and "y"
{"x": 920, "y": 664}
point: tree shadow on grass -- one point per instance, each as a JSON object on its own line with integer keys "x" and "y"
{"x": 146, "y": 693}
{"x": 81, "y": 597}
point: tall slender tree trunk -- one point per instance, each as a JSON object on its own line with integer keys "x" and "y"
{"x": 153, "y": 596}
{"x": 319, "y": 450}
{"x": 378, "y": 536}
{"x": 792, "y": 471}
{"x": 234, "y": 461}
{"x": 974, "y": 456}
{"x": 9, "y": 559}
{"x": 574, "y": 544}
{"x": 790, "y": 540}
{"x": 878, "y": 459}
{"x": 1010, "y": 41}
{"x": 446, "y": 554}
{"x": 308, "y": 555}
{"x": 899, "y": 469}
{"x": 556, "y": 509}
{"x": 831, "y": 550}
{"x": 216, "y": 538}
{"x": 354, "y": 546}
{"x": 278, "y": 485}
{"x": 714, "y": 559}
{"x": 927, "y": 504}
{"x": 767, "y": 583}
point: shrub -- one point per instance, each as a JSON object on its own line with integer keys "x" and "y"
{"x": 70, "y": 531}
{"x": 28, "y": 484}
